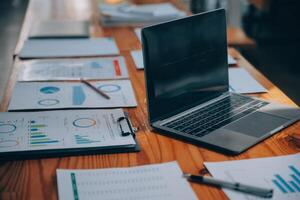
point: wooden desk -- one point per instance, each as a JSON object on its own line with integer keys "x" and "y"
{"x": 36, "y": 179}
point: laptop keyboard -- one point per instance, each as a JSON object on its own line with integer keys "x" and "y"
{"x": 216, "y": 115}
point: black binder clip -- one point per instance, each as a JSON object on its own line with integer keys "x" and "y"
{"x": 131, "y": 131}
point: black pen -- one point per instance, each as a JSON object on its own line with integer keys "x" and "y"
{"x": 95, "y": 89}
{"x": 258, "y": 191}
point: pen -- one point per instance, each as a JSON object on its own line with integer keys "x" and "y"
{"x": 95, "y": 89}
{"x": 258, "y": 191}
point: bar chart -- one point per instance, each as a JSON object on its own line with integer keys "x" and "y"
{"x": 85, "y": 139}
{"x": 288, "y": 185}
{"x": 38, "y": 136}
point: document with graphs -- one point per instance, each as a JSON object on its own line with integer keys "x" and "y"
{"x": 60, "y": 95}
{"x": 73, "y": 69}
{"x": 64, "y": 132}
{"x": 281, "y": 173}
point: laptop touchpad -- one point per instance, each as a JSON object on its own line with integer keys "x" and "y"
{"x": 257, "y": 124}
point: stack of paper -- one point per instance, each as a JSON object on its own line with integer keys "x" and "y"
{"x": 129, "y": 14}
{"x": 151, "y": 182}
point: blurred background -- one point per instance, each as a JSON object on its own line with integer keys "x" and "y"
{"x": 266, "y": 32}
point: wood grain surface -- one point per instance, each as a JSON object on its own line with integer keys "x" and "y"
{"x": 36, "y": 179}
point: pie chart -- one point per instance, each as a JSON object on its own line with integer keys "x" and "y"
{"x": 48, "y": 102}
{"x": 49, "y": 90}
{"x": 109, "y": 88}
{"x": 7, "y": 128}
{"x": 8, "y": 143}
{"x": 84, "y": 122}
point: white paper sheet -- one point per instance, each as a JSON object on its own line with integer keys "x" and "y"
{"x": 59, "y": 29}
{"x": 281, "y": 173}
{"x": 137, "y": 56}
{"x": 240, "y": 81}
{"x": 231, "y": 60}
{"x": 51, "y": 95}
{"x": 54, "y": 48}
{"x": 137, "y": 32}
{"x": 100, "y": 68}
{"x": 25, "y": 131}
{"x": 151, "y": 182}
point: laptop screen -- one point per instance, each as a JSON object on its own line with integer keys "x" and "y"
{"x": 185, "y": 62}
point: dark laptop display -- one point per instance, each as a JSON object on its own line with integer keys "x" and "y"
{"x": 186, "y": 75}
{"x": 188, "y": 63}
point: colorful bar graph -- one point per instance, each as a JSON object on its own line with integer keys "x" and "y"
{"x": 288, "y": 186}
{"x": 284, "y": 183}
{"x": 295, "y": 186}
{"x": 38, "y": 137}
{"x": 44, "y": 142}
{"x": 295, "y": 178}
{"x": 84, "y": 140}
{"x": 38, "y": 126}
{"x": 279, "y": 186}
{"x": 295, "y": 170}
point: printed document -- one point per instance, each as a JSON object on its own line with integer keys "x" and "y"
{"x": 231, "y": 60}
{"x": 151, "y": 182}
{"x": 281, "y": 173}
{"x": 137, "y": 56}
{"x": 240, "y": 81}
{"x": 59, "y": 95}
{"x": 55, "y": 48}
{"x": 74, "y": 69}
{"x": 29, "y": 131}
{"x": 137, "y": 32}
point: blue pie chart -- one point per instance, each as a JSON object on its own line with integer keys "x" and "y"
{"x": 49, "y": 90}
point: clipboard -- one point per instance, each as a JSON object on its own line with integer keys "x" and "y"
{"x": 122, "y": 122}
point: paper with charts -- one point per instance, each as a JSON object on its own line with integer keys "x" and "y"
{"x": 282, "y": 173}
{"x": 74, "y": 69}
{"x": 59, "y": 95}
{"x": 151, "y": 182}
{"x": 29, "y": 131}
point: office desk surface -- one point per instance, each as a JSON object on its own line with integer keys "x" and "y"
{"x": 36, "y": 179}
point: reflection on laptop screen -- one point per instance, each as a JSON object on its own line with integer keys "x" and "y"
{"x": 185, "y": 62}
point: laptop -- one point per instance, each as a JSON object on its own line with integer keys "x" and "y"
{"x": 186, "y": 74}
